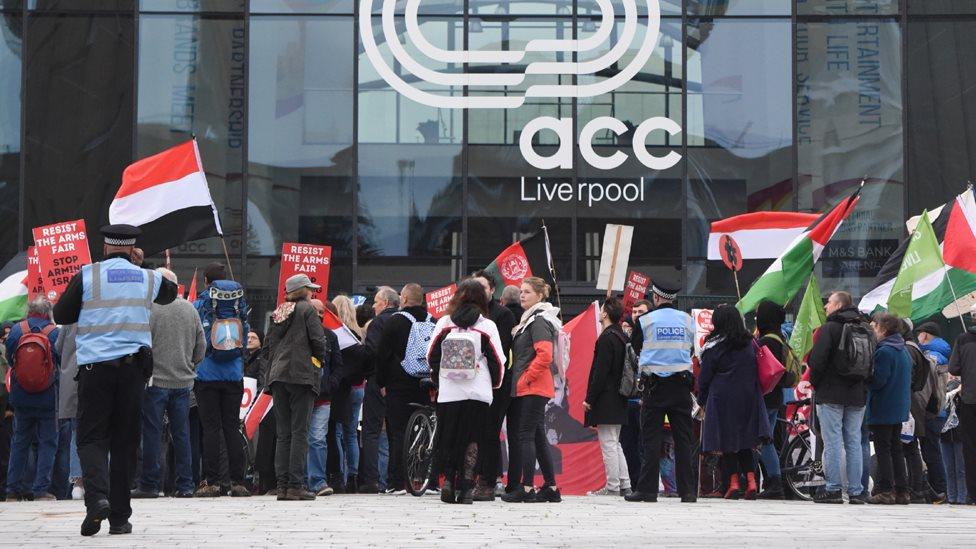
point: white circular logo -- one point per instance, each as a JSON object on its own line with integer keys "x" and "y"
{"x": 513, "y": 267}
{"x": 52, "y": 295}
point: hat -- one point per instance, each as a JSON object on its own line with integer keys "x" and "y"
{"x": 299, "y": 281}
{"x": 665, "y": 289}
{"x": 214, "y": 271}
{"x": 120, "y": 235}
{"x": 930, "y": 328}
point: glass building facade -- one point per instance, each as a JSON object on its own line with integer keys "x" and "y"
{"x": 784, "y": 105}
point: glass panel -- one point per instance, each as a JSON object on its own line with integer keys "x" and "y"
{"x": 302, "y": 6}
{"x": 941, "y": 7}
{"x": 670, "y": 8}
{"x": 849, "y": 126}
{"x": 192, "y": 6}
{"x": 300, "y": 186}
{"x": 191, "y": 82}
{"x": 846, "y": 7}
{"x": 941, "y": 145}
{"x": 74, "y": 174}
{"x": 523, "y": 7}
{"x": 11, "y": 52}
{"x": 740, "y": 133}
{"x": 739, "y": 7}
{"x": 425, "y": 7}
{"x": 80, "y": 5}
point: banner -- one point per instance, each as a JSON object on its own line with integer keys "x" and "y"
{"x": 35, "y": 283}
{"x": 703, "y": 327}
{"x": 62, "y": 249}
{"x": 616, "y": 256}
{"x": 634, "y": 290}
{"x": 247, "y": 399}
{"x": 252, "y": 420}
{"x": 438, "y": 299}
{"x": 311, "y": 259}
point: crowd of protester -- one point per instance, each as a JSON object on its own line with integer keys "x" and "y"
{"x": 491, "y": 363}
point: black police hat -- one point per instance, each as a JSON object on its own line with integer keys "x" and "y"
{"x": 120, "y": 235}
{"x": 665, "y": 289}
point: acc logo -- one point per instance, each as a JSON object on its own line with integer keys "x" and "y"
{"x": 513, "y": 267}
{"x": 505, "y": 88}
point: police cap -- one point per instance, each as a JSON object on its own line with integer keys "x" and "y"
{"x": 665, "y": 289}
{"x": 120, "y": 235}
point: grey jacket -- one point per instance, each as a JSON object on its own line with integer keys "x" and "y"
{"x": 178, "y": 344}
{"x": 296, "y": 335}
{"x": 67, "y": 387}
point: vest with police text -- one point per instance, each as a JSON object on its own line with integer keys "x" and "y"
{"x": 668, "y": 339}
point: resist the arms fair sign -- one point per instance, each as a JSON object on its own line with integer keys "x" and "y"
{"x": 62, "y": 250}
{"x": 313, "y": 260}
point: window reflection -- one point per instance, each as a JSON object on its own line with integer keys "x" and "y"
{"x": 847, "y": 7}
{"x": 11, "y": 51}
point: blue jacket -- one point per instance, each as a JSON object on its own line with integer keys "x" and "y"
{"x": 211, "y": 369}
{"x": 939, "y": 349}
{"x": 889, "y": 393}
{"x": 663, "y": 339}
{"x": 20, "y": 400}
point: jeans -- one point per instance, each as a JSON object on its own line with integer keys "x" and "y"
{"x": 175, "y": 403}
{"x": 219, "y": 405}
{"x": 30, "y": 426}
{"x": 318, "y": 446}
{"x": 292, "y": 410}
{"x": 955, "y": 472}
{"x": 768, "y": 455}
{"x": 932, "y": 453}
{"x": 347, "y": 435}
{"x": 613, "y": 457}
{"x": 891, "y": 458}
{"x": 383, "y": 459}
{"x": 866, "y": 458}
{"x": 61, "y": 473}
{"x": 840, "y": 428}
{"x": 533, "y": 441}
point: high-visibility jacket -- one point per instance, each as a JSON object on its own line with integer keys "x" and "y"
{"x": 668, "y": 339}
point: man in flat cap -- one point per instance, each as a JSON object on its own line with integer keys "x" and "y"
{"x": 111, "y": 301}
{"x": 664, "y": 338}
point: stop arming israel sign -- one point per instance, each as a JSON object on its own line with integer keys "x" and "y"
{"x": 62, "y": 250}
{"x": 313, "y": 260}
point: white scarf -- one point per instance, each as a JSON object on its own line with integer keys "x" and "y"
{"x": 542, "y": 307}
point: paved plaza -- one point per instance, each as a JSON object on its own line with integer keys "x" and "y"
{"x": 405, "y": 521}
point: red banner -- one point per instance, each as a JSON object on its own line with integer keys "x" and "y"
{"x": 635, "y": 289}
{"x": 438, "y": 300}
{"x": 62, "y": 249}
{"x": 313, "y": 260}
{"x": 35, "y": 283}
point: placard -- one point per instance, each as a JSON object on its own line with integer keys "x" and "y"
{"x": 635, "y": 289}
{"x": 313, "y": 260}
{"x": 615, "y": 257}
{"x": 62, "y": 249}
{"x": 703, "y": 327}
{"x": 247, "y": 399}
{"x": 35, "y": 283}
{"x": 438, "y": 300}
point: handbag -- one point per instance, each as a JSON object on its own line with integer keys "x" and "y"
{"x": 769, "y": 368}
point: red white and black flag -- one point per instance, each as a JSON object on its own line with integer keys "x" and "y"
{"x": 166, "y": 195}
{"x": 527, "y": 257}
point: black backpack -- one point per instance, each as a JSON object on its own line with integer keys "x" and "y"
{"x": 920, "y": 367}
{"x": 628, "y": 380}
{"x": 857, "y": 346}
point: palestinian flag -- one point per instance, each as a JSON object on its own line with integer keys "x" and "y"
{"x": 951, "y": 227}
{"x": 167, "y": 196}
{"x": 13, "y": 289}
{"x": 760, "y": 235}
{"x": 785, "y": 276}
{"x": 527, "y": 257}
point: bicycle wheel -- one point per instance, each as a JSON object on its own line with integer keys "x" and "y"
{"x": 802, "y": 473}
{"x": 418, "y": 452}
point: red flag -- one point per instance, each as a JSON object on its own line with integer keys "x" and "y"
{"x": 960, "y": 234}
{"x": 262, "y": 405}
{"x": 192, "y": 294}
{"x": 331, "y": 322}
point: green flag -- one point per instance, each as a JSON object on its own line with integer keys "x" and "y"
{"x": 922, "y": 259}
{"x": 810, "y": 317}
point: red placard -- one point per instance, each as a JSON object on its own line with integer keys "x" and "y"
{"x": 438, "y": 299}
{"x": 313, "y": 260}
{"x": 35, "y": 284}
{"x": 635, "y": 289}
{"x": 731, "y": 254}
{"x": 62, "y": 249}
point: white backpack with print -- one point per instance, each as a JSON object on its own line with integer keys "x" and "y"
{"x": 460, "y": 355}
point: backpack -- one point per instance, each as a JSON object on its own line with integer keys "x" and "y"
{"x": 414, "y": 361}
{"x": 920, "y": 367}
{"x": 857, "y": 346}
{"x": 220, "y": 314}
{"x": 460, "y": 352}
{"x": 628, "y": 380}
{"x": 560, "y": 345}
{"x": 33, "y": 361}
{"x": 793, "y": 364}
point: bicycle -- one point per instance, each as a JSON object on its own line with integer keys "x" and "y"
{"x": 802, "y": 470}
{"x": 418, "y": 449}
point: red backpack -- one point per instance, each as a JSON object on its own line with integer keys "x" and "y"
{"x": 33, "y": 365}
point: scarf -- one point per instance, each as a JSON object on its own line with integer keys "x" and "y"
{"x": 541, "y": 307}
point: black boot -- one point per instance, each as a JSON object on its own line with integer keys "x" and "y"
{"x": 352, "y": 484}
{"x": 447, "y": 491}
{"x": 466, "y": 494}
{"x": 774, "y": 489}
{"x": 335, "y": 482}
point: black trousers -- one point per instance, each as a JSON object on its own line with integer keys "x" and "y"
{"x": 398, "y": 410}
{"x": 913, "y": 463}
{"x": 532, "y": 440}
{"x": 490, "y": 447}
{"x": 891, "y": 458}
{"x": 967, "y": 428}
{"x": 219, "y": 406}
{"x": 512, "y": 421}
{"x": 292, "y": 410}
{"x": 6, "y": 431}
{"x": 264, "y": 456}
{"x": 738, "y": 463}
{"x": 374, "y": 414}
{"x": 671, "y": 397}
{"x": 109, "y": 422}
{"x": 630, "y": 439}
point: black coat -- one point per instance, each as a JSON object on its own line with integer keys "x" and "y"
{"x": 345, "y": 377}
{"x": 825, "y": 359}
{"x": 389, "y": 368}
{"x": 603, "y": 389}
{"x": 728, "y": 388}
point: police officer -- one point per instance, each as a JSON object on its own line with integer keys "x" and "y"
{"x": 664, "y": 338}
{"x": 111, "y": 301}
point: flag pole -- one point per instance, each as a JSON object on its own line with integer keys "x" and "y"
{"x": 552, "y": 269}
{"x": 613, "y": 262}
{"x": 230, "y": 268}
